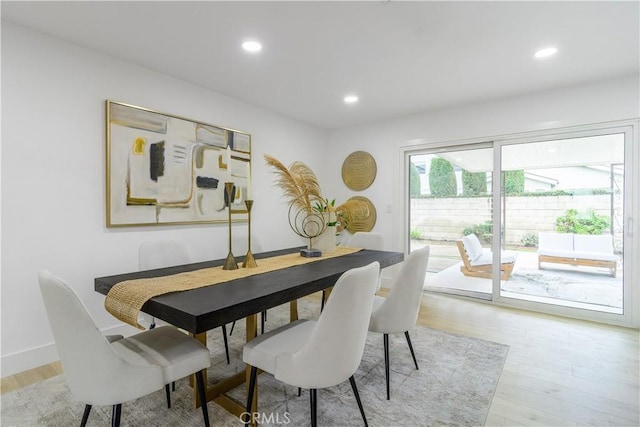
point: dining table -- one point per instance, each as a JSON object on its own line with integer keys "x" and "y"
{"x": 198, "y": 310}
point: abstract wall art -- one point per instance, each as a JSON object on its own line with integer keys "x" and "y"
{"x": 165, "y": 169}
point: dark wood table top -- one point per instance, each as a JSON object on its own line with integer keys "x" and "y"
{"x": 201, "y": 309}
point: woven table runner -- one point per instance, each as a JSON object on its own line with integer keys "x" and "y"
{"x": 125, "y": 299}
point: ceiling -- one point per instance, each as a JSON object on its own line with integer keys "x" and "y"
{"x": 400, "y": 58}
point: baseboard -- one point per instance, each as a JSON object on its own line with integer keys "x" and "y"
{"x": 21, "y": 361}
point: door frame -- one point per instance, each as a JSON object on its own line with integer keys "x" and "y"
{"x": 631, "y": 296}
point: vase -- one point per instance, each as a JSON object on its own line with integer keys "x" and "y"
{"x": 326, "y": 242}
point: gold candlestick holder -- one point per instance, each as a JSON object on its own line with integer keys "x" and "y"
{"x": 249, "y": 261}
{"x": 229, "y": 263}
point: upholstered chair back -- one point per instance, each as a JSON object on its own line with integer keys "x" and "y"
{"x": 334, "y": 350}
{"x": 95, "y": 373}
{"x": 399, "y": 311}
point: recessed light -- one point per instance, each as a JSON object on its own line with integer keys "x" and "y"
{"x": 546, "y": 52}
{"x": 252, "y": 46}
{"x": 350, "y": 99}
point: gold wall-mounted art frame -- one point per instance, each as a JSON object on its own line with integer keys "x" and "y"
{"x": 359, "y": 170}
{"x": 164, "y": 169}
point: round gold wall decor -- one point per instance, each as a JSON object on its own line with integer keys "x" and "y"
{"x": 359, "y": 170}
{"x": 365, "y": 223}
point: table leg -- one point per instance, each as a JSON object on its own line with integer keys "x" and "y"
{"x": 217, "y": 392}
{"x": 293, "y": 310}
{"x": 252, "y": 332}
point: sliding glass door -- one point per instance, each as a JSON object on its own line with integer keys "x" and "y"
{"x": 563, "y": 202}
{"x": 450, "y": 197}
{"x": 541, "y": 222}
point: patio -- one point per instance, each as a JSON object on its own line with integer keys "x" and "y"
{"x": 577, "y": 286}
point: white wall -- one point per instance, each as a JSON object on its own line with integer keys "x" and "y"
{"x": 53, "y": 177}
{"x": 605, "y": 101}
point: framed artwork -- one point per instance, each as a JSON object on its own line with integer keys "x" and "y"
{"x": 165, "y": 169}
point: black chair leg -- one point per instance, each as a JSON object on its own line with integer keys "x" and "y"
{"x": 299, "y": 391}
{"x": 355, "y": 392}
{"x": 406, "y": 334}
{"x": 173, "y": 386}
{"x": 203, "y": 397}
{"x": 386, "y": 362}
{"x": 226, "y": 343}
{"x": 252, "y": 386}
{"x": 115, "y": 415}
{"x": 313, "y": 398}
{"x": 85, "y": 415}
{"x": 322, "y": 302}
{"x": 233, "y": 325}
{"x": 168, "y": 393}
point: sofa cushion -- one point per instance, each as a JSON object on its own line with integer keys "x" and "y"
{"x": 595, "y": 256}
{"x": 472, "y": 246}
{"x": 555, "y": 242}
{"x": 599, "y": 243}
{"x": 560, "y": 254}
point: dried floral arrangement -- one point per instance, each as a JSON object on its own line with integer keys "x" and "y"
{"x": 302, "y": 189}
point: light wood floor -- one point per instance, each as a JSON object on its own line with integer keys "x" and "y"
{"x": 559, "y": 372}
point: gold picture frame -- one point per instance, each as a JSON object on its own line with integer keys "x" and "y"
{"x": 164, "y": 169}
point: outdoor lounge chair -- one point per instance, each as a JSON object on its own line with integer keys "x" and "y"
{"x": 477, "y": 261}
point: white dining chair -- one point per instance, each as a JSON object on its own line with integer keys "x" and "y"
{"x": 167, "y": 253}
{"x": 323, "y": 353}
{"x": 398, "y": 312}
{"x": 100, "y": 372}
{"x": 366, "y": 240}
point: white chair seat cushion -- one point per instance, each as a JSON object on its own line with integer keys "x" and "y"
{"x": 263, "y": 351}
{"x": 178, "y": 354}
{"x": 486, "y": 258}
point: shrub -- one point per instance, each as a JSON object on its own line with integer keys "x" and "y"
{"x": 415, "y": 234}
{"x": 474, "y": 183}
{"x": 529, "y": 240}
{"x": 415, "y": 189}
{"x": 514, "y": 182}
{"x": 484, "y": 231}
{"x": 588, "y": 223}
{"x": 442, "y": 178}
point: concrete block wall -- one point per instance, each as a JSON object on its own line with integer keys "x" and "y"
{"x": 446, "y": 218}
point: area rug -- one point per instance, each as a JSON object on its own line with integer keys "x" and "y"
{"x": 454, "y": 386}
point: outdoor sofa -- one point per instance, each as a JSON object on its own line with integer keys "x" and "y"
{"x": 577, "y": 249}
